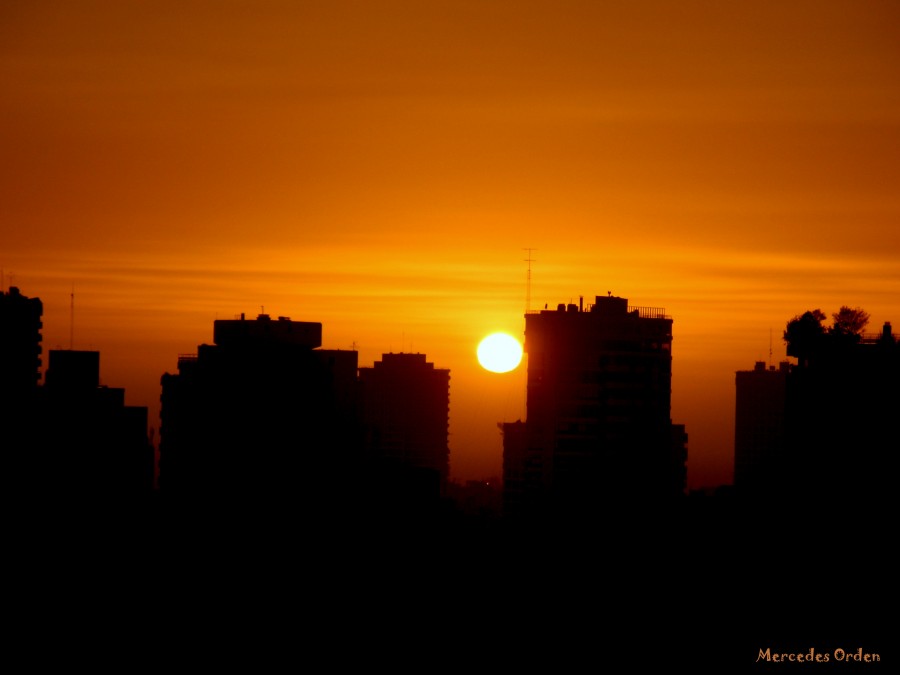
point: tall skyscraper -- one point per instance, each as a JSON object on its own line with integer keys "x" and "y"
{"x": 263, "y": 413}
{"x": 598, "y": 427}
{"x": 405, "y": 406}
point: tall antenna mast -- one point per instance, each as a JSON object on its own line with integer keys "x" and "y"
{"x": 72, "y": 318}
{"x": 770, "y": 346}
{"x": 529, "y": 260}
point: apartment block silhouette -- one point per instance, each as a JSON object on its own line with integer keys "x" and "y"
{"x": 598, "y": 427}
{"x": 759, "y": 428}
{"x": 405, "y": 414}
{"x": 263, "y": 413}
{"x": 90, "y": 443}
{"x": 20, "y": 375}
{"x": 20, "y": 344}
{"x": 72, "y": 439}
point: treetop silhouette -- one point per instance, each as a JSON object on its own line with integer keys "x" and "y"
{"x": 849, "y": 321}
{"x": 805, "y": 333}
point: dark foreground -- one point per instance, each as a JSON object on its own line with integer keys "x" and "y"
{"x": 703, "y": 585}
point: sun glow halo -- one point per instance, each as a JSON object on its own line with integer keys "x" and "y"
{"x": 499, "y": 353}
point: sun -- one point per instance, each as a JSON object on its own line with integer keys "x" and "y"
{"x": 499, "y": 353}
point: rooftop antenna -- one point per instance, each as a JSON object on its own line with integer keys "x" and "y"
{"x": 770, "y": 346}
{"x": 72, "y": 318}
{"x": 529, "y": 260}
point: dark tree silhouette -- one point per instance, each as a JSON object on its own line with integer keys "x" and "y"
{"x": 849, "y": 321}
{"x": 803, "y": 332}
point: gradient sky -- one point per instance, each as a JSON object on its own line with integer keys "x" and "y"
{"x": 381, "y": 167}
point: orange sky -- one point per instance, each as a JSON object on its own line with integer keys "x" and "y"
{"x": 380, "y": 167}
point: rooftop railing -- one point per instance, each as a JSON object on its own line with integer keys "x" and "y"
{"x": 873, "y": 338}
{"x": 642, "y": 312}
{"x": 650, "y": 312}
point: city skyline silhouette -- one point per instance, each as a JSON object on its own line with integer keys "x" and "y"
{"x": 265, "y": 411}
{"x": 415, "y": 176}
{"x": 473, "y": 428}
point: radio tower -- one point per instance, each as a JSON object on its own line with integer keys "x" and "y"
{"x": 529, "y": 260}
{"x": 72, "y": 318}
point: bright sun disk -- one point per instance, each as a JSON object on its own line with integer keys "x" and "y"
{"x": 499, "y": 353}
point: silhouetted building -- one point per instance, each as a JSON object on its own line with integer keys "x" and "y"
{"x": 261, "y": 414}
{"x": 841, "y": 408}
{"x": 71, "y": 370}
{"x": 759, "y": 427}
{"x": 91, "y": 444}
{"x": 20, "y": 344}
{"x": 598, "y": 427}
{"x": 70, "y": 440}
{"x": 406, "y": 412}
{"x": 20, "y": 374}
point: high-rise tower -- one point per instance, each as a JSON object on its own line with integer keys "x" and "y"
{"x": 20, "y": 374}
{"x": 598, "y": 425}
